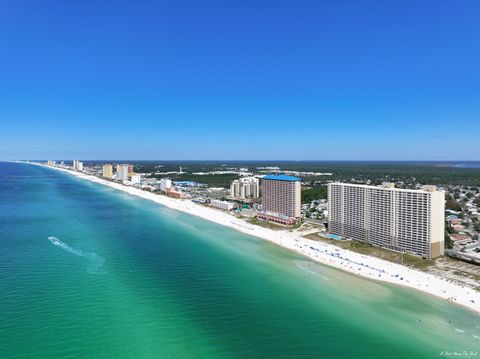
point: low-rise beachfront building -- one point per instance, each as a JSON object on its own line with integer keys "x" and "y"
{"x": 136, "y": 179}
{"x": 281, "y": 198}
{"x": 402, "y": 220}
{"x": 276, "y": 218}
{"x": 247, "y": 212}
{"x": 222, "y": 204}
{"x": 172, "y": 192}
{"x": 107, "y": 171}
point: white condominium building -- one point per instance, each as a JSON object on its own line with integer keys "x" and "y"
{"x": 123, "y": 172}
{"x": 398, "y": 219}
{"x": 222, "y": 204}
{"x": 107, "y": 171}
{"x": 245, "y": 189}
{"x": 165, "y": 184}
{"x": 136, "y": 179}
{"x": 281, "y": 195}
{"x": 77, "y": 165}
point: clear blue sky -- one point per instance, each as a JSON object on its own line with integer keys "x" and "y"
{"x": 313, "y": 80}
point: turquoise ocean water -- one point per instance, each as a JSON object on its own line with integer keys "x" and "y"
{"x": 91, "y": 272}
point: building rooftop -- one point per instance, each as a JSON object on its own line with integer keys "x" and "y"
{"x": 459, "y": 237}
{"x": 388, "y": 186}
{"x": 281, "y": 178}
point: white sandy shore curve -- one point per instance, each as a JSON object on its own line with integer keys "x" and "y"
{"x": 359, "y": 264}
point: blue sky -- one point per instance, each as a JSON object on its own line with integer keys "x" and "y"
{"x": 311, "y": 80}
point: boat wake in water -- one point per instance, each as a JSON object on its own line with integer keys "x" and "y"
{"x": 95, "y": 261}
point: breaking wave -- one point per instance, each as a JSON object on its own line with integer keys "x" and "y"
{"x": 95, "y": 260}
{"x": 312, "y": 272}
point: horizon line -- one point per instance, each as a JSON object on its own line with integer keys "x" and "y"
{"x": 241, "y": 160}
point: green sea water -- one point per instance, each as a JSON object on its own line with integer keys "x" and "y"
{"x": 127, "y": 278}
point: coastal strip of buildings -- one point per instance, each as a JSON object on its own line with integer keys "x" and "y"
{"x": 403, "y": 220}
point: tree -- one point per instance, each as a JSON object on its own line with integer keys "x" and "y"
{"x": 453, "y": 205}
{"x": 313, "y": 193}
{"x": 448, "y": 241}
{"x": 476, "y": 226}
{"x": 449, "y": 229}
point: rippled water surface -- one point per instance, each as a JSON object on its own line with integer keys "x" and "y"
{"x": 87, "y": 271}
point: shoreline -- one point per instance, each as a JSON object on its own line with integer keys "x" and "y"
{"x": 326, "y": 254}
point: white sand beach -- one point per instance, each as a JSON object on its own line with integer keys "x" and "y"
{"x": 349, "y": 261}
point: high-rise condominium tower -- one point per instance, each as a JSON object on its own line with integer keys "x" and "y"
{"x": 107, "y": 171}
{"x": 123, "y": 172}
{"x": 281, "y": 195}
{"x": 398, "y": 219}
{"x": 245, "y": 189}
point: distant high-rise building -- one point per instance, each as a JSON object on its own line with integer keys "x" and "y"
{"x": 281, "y": 195}
{"x": 398, "y": 219}
{"x": 130, "y": 170}
{"x": 165, "y": 184}
{"x": 77, "y": 165}
{"x": 122, "y": 172}
{"x": 245, "y": 189}
{"x": 51, "y": 163}
{"x": 107, "y": 171}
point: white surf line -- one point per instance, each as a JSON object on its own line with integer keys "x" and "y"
{"x": 312, "y": 272}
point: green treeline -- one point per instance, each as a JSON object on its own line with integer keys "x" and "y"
{"x": 313, "y": 193}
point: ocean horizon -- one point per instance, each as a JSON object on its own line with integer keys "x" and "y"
{"x": 90, "y": 271}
